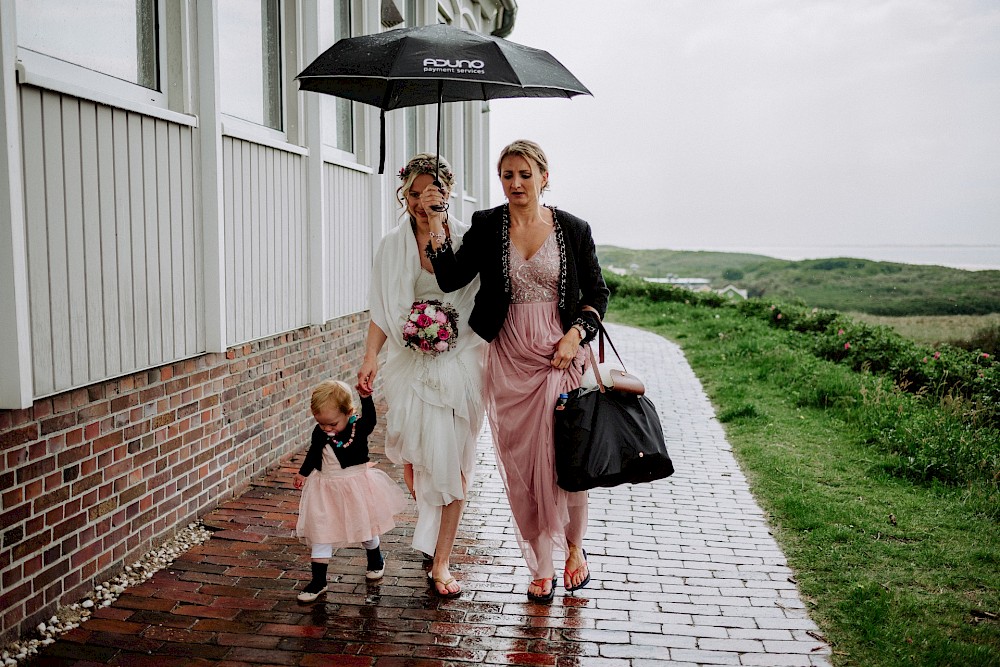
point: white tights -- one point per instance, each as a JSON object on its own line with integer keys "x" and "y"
{"x": 324, "y": 551}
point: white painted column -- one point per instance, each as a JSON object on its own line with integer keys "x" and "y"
{"x": 210, "y": 140}
{"x": 378, "y": 224}
{"x": 15, "y": 333}
{"x": 312, "y": 138}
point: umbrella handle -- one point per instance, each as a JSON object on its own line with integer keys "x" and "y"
{"x": 440, "y": 208}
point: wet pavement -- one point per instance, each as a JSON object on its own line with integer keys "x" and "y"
{"x": 684, "y": 573}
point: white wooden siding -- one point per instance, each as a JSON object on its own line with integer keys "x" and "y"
{"x": 265, "y": 229}
{"x": 349, "y": 238}
{"x": 115, "y": 266}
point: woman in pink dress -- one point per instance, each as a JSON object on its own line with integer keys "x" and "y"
{"x": 541, "y": 295}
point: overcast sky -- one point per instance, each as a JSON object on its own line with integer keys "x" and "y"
{"x": 729, "y": 123}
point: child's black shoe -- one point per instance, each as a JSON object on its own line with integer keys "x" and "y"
{"x": 317, "y": 586}
{"x": 376, "y": 564}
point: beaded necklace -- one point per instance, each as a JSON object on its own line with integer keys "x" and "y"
{"x": 353, "y": 421}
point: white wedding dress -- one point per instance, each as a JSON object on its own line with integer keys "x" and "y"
{"x": 435, "y": 402}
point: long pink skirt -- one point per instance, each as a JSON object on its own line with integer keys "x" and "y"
{"x": 522, "y": 388}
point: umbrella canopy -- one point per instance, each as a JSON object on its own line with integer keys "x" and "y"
{"x": 434, "y": 64}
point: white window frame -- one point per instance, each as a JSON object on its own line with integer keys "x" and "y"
{"x": 364, "y": 19}
{"x": 331, "y": 151}
{"x": 259, "y": 132}
{"x": 44, "y": 71}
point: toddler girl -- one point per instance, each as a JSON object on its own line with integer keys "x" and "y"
{"x": 345, "y": 500}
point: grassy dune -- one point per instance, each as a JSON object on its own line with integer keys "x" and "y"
{"x": 843, "y": 284}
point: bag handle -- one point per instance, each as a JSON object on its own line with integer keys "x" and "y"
{"x": 602, "y": 334}
{"x": 597, "y": 371}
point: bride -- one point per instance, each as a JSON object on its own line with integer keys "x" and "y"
{"x": 434, "y": 394}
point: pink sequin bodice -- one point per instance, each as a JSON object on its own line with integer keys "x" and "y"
{"x": 535, "y": 280}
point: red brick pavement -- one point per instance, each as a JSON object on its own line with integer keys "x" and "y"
{"x": 231, "y": 601}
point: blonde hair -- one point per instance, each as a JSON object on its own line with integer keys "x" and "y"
{"x": 332, "y": 393}
{"x": 424, "y": 163}
{"x": 530, "y": 151}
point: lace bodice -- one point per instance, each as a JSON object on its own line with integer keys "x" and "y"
{"x": 535, "y": 280}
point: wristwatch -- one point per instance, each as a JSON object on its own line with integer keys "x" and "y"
{"x": 581, "y": 330}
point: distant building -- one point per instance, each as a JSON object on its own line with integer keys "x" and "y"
{"x": 732, "y": 291}
{"x": 693, "y": 284}
{"x": 699, "y": 285}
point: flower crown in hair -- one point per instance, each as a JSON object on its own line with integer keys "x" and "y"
{"x": 422, "y": 165}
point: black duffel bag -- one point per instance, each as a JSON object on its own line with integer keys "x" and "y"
{"x": 605, "y": 437}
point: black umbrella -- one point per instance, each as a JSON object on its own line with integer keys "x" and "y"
{"x": 431, "y": 65}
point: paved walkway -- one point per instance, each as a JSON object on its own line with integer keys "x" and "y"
{"x": 685, "y": 572}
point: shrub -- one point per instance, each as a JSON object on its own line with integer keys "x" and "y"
{"x": 985, "y": 340}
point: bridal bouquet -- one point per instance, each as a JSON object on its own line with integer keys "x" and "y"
{"x": 431, "y": 327}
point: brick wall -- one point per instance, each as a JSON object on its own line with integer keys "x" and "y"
{"x": 95, "y": 477}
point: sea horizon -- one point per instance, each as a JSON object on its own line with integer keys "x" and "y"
{"x": 958, "y": 256}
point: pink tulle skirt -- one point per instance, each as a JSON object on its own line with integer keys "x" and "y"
{"x": 345, "y": 506}
{"x": 522, "y": 388}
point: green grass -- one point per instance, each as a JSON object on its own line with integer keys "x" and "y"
{"x": 896, "y": 571}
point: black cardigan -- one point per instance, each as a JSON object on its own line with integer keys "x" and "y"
{"x": 354, "y": 455}
{"x": 485, "y": 252}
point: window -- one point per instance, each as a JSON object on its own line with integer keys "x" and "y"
{"x": 337, "y": 113}
{"x": 117, "y": 38}
{"x": 250, "y": 60}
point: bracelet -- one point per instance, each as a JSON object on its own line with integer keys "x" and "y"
{"x": 433, "y": 254}
{"x": 438, "y": 236}
{"x": 589, "y": 329}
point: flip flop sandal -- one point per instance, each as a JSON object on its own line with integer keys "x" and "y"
{"x": 543, "y": 599}
{"x": 447, "y": 595}
{"x": 568, "y": 576}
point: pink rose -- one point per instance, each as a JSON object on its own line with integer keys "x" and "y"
{"x": 840, "y": 332}
{"x": 937, "y": 355}
{"x": 423, "y": 321}
{"x": 409, "y": 328}
{"x": 441, "y": 316}
{"x": 444, "y": 334}
{"x": 779, "y": 316}
{"x": 847, "y": 346}
{"x": 441, "y": 346}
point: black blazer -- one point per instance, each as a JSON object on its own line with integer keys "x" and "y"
{"x": 354, "y": 455}
{"x": 486, "y": 251}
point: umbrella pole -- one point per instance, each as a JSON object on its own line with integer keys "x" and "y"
{"x": 437, "y": 156}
